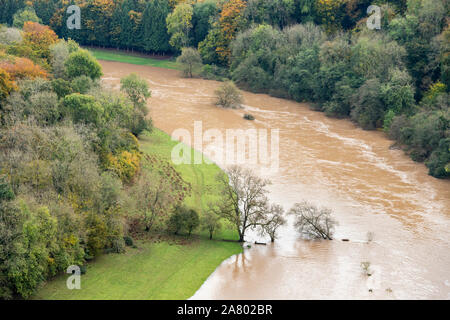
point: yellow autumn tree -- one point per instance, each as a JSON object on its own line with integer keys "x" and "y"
{"x": 230, "y": 21}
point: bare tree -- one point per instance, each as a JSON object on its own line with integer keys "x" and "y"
{"x": 244, "y": 202}
{"x": 152, "y": 199}
{"x": 313, "y": 222}
{"x": 273, "y": 220}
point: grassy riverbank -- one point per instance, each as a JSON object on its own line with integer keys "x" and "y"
{"x": 169, "y": 268}
{"x": 120, "y": 56}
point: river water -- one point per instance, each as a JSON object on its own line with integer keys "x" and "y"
{"x": 331, "y": 163}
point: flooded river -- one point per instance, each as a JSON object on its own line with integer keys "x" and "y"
{"x": 331, "y": 163}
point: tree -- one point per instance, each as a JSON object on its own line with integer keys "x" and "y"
{"x": 138, "y": 92}
{"x": 179, "y": 24}
{"x": 59, "y": 54}
{"x": 24, "y": 15}
{"x": 228, "y": 95}
{"x": 83, "y": 108}
{"x": 10, "y": 36}
{"x": 330, "y": 13}
{"x": 136, "y": 88}
{"x": 398, "y": 92}
{"x": 39, "y": 38}
{"x": 439, "y": 161}
{"x": 313, "y": 222}
{"x": 273, "y": 220}
{"x": 244, "y": 199}
{"x": 155, "y": 37}
{"x": 211, "y": 222}
{"x": 6, "y": 85}
{"x": 368, "y": 107}
{"x": 191, "y": 220}
{"x": 190, "y": 61}
{"x": 82, "y": 63}
{"x": 276, "y": 12}
{"x": 20, "y": 68}
{"x": 152, "y": 199}
{"x": 230, "y": 20}
{"x": 177, "y": 222}
{"x": 203, "y": 13}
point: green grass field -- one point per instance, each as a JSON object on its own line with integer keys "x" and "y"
{"x": 156, "y": 270}
{"x": 126, "y": 58}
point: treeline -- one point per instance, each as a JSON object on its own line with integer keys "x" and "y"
{"x": 142, "y": 24}
{"x": 396, "y": 78}
{"x": 73, "y": 182}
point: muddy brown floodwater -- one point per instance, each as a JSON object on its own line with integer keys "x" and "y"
{"x": 331, "y": 163}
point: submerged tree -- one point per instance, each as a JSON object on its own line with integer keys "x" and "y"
{"x": 272, "y": 221}
{"x": 313, "y": 222}
{"x": 228, "y": 96}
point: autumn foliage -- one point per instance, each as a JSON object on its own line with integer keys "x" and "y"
{"x": 39, "y": 38}
{"x": 6, "y": 84}
{"x": 230, "y": 20}
{"x": 21, "y": 68}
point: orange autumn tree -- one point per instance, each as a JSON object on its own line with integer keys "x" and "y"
{"x": 39, "y": 38}
{"x": 230, "y": 21}
{"x": 6, "y": 85}
{"x": 20, "y": 68}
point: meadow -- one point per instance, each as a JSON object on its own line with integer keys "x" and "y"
{"x": 163, "y": 266}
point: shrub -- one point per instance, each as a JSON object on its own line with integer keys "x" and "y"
{"x": 128, "y": 241}
{"x": 228, "y": 96}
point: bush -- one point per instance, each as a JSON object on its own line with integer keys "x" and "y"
{"x": 248, "y": 117}
{"x": 128, "y": 241}
{"x": 228, "y": 96}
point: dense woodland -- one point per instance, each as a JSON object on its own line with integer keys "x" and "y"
{"x": 70, "y": 161}
{"x": 69, "y": 154}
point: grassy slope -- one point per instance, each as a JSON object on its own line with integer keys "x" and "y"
{"x": 123, "y": 57}
{"x": 156, "y": 270}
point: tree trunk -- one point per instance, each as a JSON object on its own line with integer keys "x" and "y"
{"x": 210, "y": 236}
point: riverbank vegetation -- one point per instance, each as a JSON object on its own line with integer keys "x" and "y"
{"x": 394, "y": 78}
{"x": 83, "y": 172}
